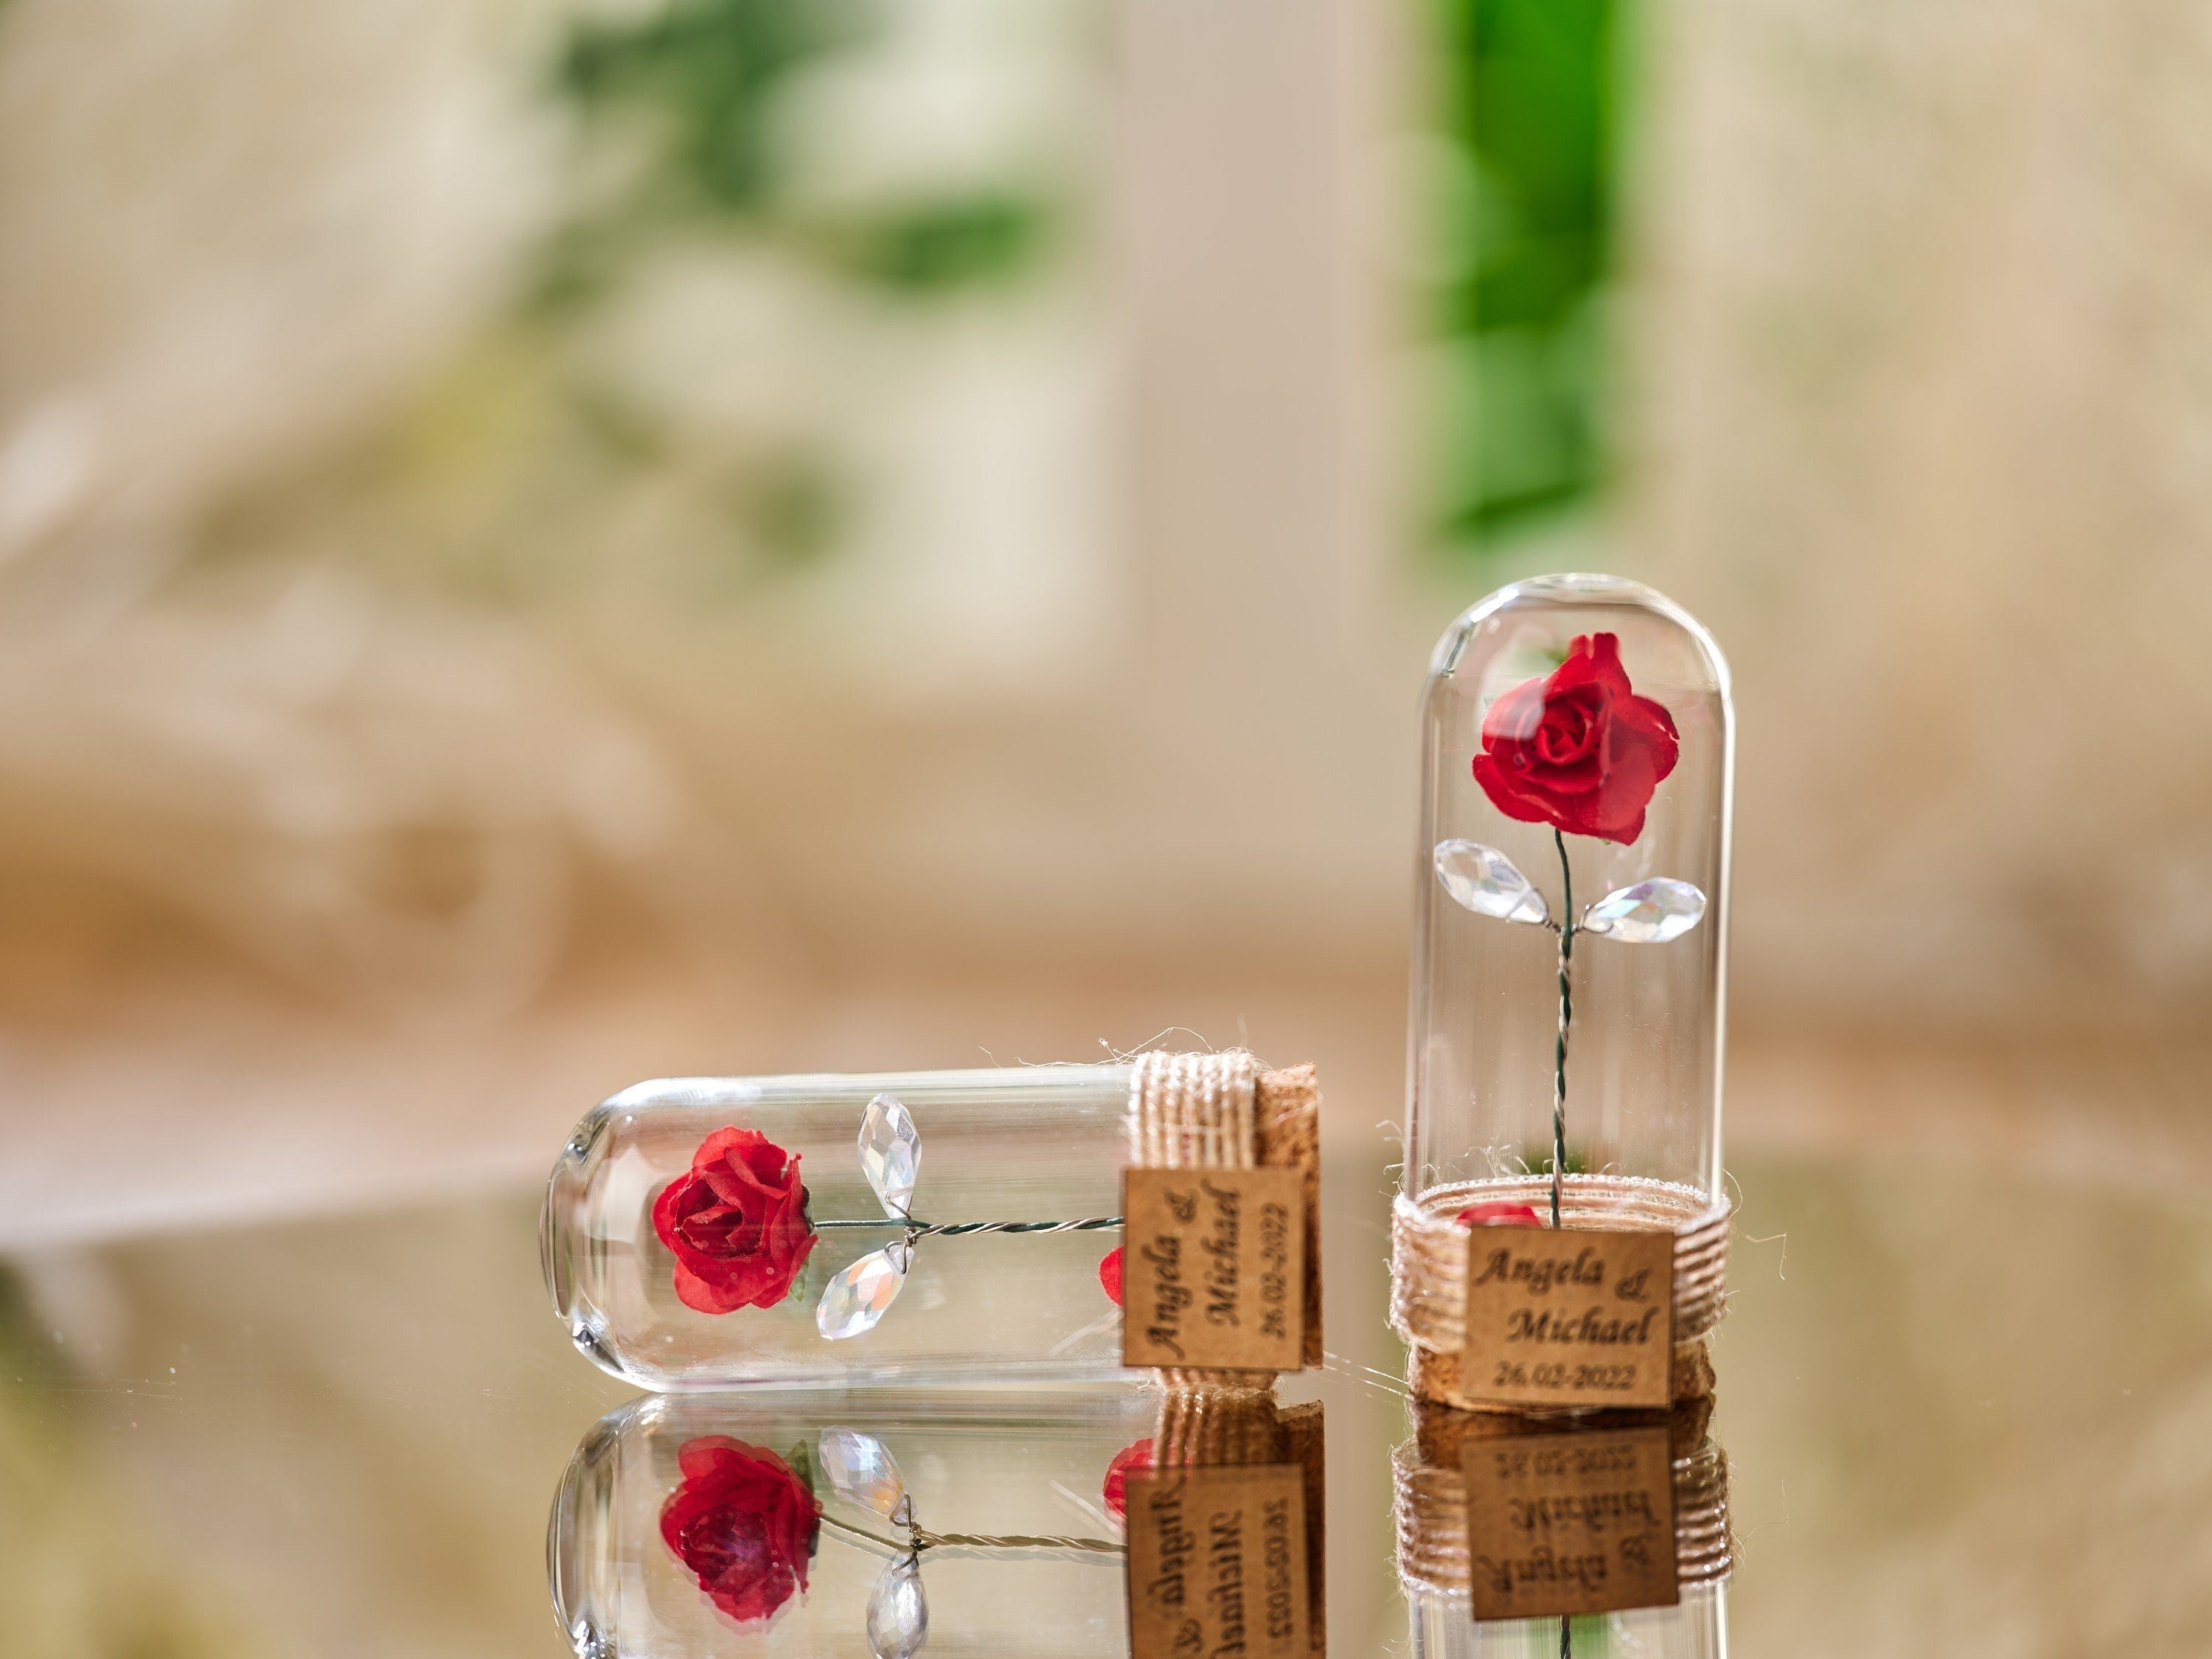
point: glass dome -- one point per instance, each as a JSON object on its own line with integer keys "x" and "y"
{"x": 1571, "y": 911}
{"x": 854, "y": 1297}
{"x": 814, "y": 1522}
{"x": 947, "y": 1227}
{"x": 1570, "y": 953}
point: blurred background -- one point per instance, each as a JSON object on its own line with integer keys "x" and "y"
{"x": 545, "y": 543}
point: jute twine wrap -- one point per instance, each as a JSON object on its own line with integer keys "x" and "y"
{"x": 1222, "y": 1112}
{"x": 1443, "y": 1433}
{"x": 1428, "y": 1258}
{"x": 1429, "y": 1508}
{"x": 1213, "y": 1427}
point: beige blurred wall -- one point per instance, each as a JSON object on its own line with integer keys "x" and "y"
{"x": 1911, "y": 318}
{"x": 1923, "y": 353}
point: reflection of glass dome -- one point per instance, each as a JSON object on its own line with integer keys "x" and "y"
{"x": 1571, "y": 915}
{"x": 1663, "y": 1537}
{"x": 1697, "y": 1629}
{"x": 796, "y": 1522}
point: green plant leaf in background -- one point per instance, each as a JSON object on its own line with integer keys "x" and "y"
{"x": 1530, "y": 107}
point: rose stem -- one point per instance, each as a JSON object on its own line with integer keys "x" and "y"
{"x": 955, "y": 1229}
{"x": 862, "y": 1532}
{"x": 1566, "y": 1642}
{"x": 922, "y": 1539}
{"x": 1559, "y": 1054}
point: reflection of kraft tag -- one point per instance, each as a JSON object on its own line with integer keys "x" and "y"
{"x": 1573, "y": 1317}
{"x": 1218, "y": 1562}
{"x": 1213, "y": 1269}
{"x": 1570, "y": 1523}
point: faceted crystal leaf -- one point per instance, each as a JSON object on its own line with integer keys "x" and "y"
{"x": 856, "y": 1297}
{"x": 891, "y": 1152}
{"x": 898, "y": 1612}
{"x": 860, "y": 1470}
{"x": 1650, "y": 912}
{"x": 1485, "y": 881}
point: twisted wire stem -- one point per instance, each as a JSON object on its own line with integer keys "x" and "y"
{"x": 925, "y": 1539}
{"x": 914, "y": 1229}
{"x": 920, "y": 1538}
{"x": 1566, "y": 1018}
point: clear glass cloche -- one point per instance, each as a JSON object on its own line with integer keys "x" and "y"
{"x": 960, "y": 1225}
{"x": 1570, "y": 913}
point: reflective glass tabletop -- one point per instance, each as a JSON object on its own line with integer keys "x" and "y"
{"x": 1963, "y": 1414}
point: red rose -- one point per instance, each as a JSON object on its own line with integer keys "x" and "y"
{"x": 1498, "y": 1214}
{"x": 736, "y": 1223}
{"x": 1109, "y": 1276}
{"x": 742, "y": 1524}
{"x": 1116, "y": 1491}
{"x": 1579, "y": 751}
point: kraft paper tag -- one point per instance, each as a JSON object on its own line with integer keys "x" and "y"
{"x": 1572, "y": 1317}
{"x": 1570, "y": 1523}
{"x": 1218, "y": 1562}
{"x": 1213, "y": 1269}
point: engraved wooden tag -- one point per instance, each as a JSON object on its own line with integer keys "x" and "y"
{"x": 1218, "y": 1562}
{"x": 1213, "y": 1269}
{"x": 1570, "y": 1523}
{"x": 1572, "y": 1317}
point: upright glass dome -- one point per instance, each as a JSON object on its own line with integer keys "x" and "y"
{"x": 1571, "y": 912}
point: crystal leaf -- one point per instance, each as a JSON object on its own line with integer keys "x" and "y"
{"x": 856, "y": 1297}
{"x": 1650, "y": 912}
{"x": 891, "y": 1152}
{"x": 898, "y": 1612}
{"x": 1485, "y": 880}
{"x": 860, "y": 1470}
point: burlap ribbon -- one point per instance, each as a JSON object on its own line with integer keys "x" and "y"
{"x": 1429, "y": 1260}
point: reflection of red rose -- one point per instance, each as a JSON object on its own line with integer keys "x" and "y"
{"x": 1580, "y": 750}
{"x": 1496, "y": 1213}
{"x": 1109, "y": 1276}
{"x": 737, "y": 1222}
{"x": 743, "y": 1524}
{"x": 1116, "y": 1491}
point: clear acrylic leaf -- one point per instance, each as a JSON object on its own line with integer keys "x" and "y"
{"x": 1484, "y": 880}
{"x": 1650, "y": 912}
{"x": 890, "y": 1153}
{"x": 860, "y": 1469}
{"x": 856, "y": 1297}
{"x": 898, "y": 1611}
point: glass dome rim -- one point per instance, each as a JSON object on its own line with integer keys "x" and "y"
{"x": 1602, "y": 589}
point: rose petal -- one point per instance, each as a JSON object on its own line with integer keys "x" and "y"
{"x": 1499, "y": 1213}
{"x": 1507, "y": 793}
{"x": 1516, "y": 715}
{"x": 736, "y": 1181}
{"x": 703, "y": 1296}
{"x": 1113, "y": 1490}
{"x": 1617, "y": 812}
{"x": 724, "y": 1142}
{"x": 1579, "y": 751}
{"x": 743, "y": 1523}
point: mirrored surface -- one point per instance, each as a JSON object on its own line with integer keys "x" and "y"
{"x": 1963, "y": 1413}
